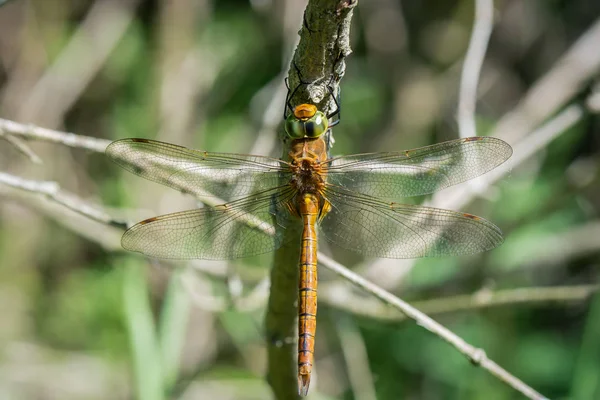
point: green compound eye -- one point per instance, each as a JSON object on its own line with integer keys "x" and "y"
{"x": 306, "y": 121}
{"x": 294, "y": 127}
{"x": 316, "y": 126}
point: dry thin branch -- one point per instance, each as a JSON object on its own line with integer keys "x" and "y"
{"x": 475, "y": 355}
{"x": 336, "y": 296}
{"x": 90, "y": 225}
{"x": 22, "y": 147}
{"x": 52, "y": 191}
{"x": 467, "y": 98}
{"x": 32, "y": 132}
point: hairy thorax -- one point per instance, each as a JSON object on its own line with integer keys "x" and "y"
{"x": 307, "y": 157}
{"x": 308, "y": 163}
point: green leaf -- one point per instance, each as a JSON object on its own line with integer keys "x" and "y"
{"x": 142, "y": 335}
{"x": 587, "y": 368}
{"x": 173, "y": 327}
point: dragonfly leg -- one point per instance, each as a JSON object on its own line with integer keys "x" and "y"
{"x": 290, "y": 95}
{"x": 337, "y": 112}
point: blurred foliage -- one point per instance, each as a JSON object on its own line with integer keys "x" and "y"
{"x": 202, "y": 74}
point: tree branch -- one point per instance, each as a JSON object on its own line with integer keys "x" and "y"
{"x": 318, "y": 63}
{"x": 27, "y": 131}
{"x": 336, "y": 296}
{"x": 52, "y": 191}
{"x": 474, "y": 355}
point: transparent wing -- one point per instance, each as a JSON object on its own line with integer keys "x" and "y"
{"x": 375, "y": 228}
{"x": 242, "y": 228}
{"x": 419, "y": 171}
{"x": 228, "y": 176}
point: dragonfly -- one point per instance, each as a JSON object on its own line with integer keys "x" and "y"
{"x": 351, "y": 200}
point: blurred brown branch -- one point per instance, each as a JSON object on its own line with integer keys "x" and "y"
{"x": 335, "y": 297}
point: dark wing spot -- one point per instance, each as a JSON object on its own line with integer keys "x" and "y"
{"x": 471, "y": 216}
{"x": 139, "y": 140}
{"x": 473, "y": 139}
{"x": 149, "y": 220}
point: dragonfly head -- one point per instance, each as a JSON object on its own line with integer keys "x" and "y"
{"x": 306, "y": 122}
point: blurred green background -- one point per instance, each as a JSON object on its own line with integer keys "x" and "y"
{"x": 82, "y": 320}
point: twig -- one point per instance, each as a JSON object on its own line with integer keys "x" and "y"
{"x": 101, "y": 232}
{"x": 52, "y": 191}
{"x": 49, "y": 135}
{"x": 475, "y": 355}
{"x": 337, "y": 297}
{"x": 467, "y": 98}
{"x": 22, "y": 147}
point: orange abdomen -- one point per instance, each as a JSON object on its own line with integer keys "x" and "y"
{"x": 307, "y": 293}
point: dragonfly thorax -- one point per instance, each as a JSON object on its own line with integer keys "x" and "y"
{"x": 307, "y": 177}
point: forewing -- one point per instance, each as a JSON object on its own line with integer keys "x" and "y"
{"x": 391, "y": 230}
{"x": 242, "y": 228}
{"x": 227, "y": 176}
{"x": 419, "y": 171}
